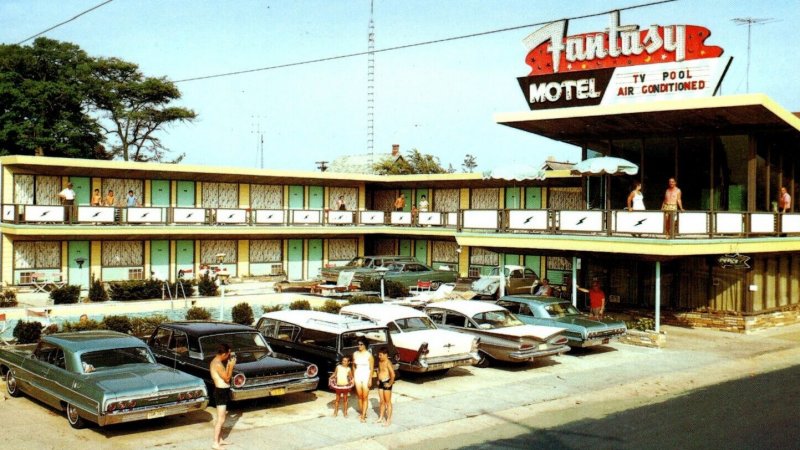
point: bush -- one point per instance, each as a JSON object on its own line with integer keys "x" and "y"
{"x": 97, "y": 292}
{"x": 361, "y": 299}
{"x": 188, "y": 288}
{"x": 271, "y": 308}
{"x": 198, "y": 313}
{"x": 50, "y": 329}
{"x": 135, "y": 290}
{"x": 243, "y": 314}
{"x": 330, "y": 306}
{"x": 144, "y": 326}
{"x": 391, "y": 289}
{"x": 85, "y": 325}
{"x": 121, "y": 324}
{"x": 8, "y": 299}
{"x": 66, "y": 294}
{"x": 300, "y": 304}
{"x": 206, "y": 286}
{"x": 27, "y": 332}
{"x": 641, "y": 324}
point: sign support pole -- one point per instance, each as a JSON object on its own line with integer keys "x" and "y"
{"x": 658, "y": 296}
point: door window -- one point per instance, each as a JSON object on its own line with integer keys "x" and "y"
{"x": 161, "y": 339}
{"x": 287, "y": 331}
{"x": 318, "y": 338}
{"x": 179, "y": 344}
{"x": 436, "y": 316}
{"x": 454, "y": 320}
{"x": 514, "y": 307}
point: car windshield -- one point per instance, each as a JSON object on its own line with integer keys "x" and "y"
{"x": 415, "y": 324}
{"x": 359, "y": 262}
{"x": 376, "y": 336}
{"x": 490, "y": 320}
{"x": 394, "y": 267}
{"x": 496, "y": 271}
{"x": 248, "y": 346}
{"x": 105, "y": 359}
{"x": 561, "y": 309}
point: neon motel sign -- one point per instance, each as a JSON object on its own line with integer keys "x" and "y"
{"x": 622, "y": 64}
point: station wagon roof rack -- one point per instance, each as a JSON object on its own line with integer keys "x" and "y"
{"x": 348, "y": 324}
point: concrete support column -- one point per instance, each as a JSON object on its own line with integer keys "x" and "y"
{"x": 243, "y": 258}
{"x": 575, "y": 281}
{"x": 658, "y": 296}
{"x": 463, "y": 262}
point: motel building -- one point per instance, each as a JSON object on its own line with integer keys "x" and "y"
{"x": 729, "y": 260}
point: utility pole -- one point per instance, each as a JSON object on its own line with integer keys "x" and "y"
{"x": 750, "y": 21}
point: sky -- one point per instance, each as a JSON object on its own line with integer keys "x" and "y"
{"x": 437, "y": 98}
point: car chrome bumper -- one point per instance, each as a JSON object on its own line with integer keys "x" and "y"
{"x": 538, "y": 352}
{"x": 152, "y": 412}
{"x": 440, "y": 363}
{"x": 591, "y": 342}
{"x": 274, "y": 389}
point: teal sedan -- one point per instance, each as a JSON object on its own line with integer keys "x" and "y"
{"x": 103, "y": 377}
{"x": 582, "y": 330}
{"x": 410, "y": 273}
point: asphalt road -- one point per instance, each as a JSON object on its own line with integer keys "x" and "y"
{"x": 706, "y": 389}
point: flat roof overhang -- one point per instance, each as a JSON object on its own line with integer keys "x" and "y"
{"x": 736, "y": 114}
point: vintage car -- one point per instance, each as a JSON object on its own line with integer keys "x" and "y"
{"x": 582, "y": 330}
{"x": 259, "y": 372}
{"x": 519, "y": 280}
{"x": 103, "y": 377}
{"x": 321, "y": 337}
{"x": 503, "y": 336}
{"x": 421, "y": 345}
{"x": 409, "y": 273}
{"x": 362, "y": 264}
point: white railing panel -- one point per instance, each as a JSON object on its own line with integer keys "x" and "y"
{"x": 96, "y": 214}
{"x": 182, "y": 215}
{"x": 270, "y": 216}
{"x": 306, "y": 216}
{"x": 372, "y": 217}
{"x": 340, "y": 217}
{"x": 400, "y": 218}
{"x": 528, "y": 219}
{"x": 8, "y": 213}
{"x": 729, "y": 223}
{"x": 430, "y": 218}
{"x": 762, "y": 223}
{"x": 153, "y": 215}
{"x": 36, "y": 213}
{"x": 651, "y": 222}
{"x": 480, "y": 219}
{"x": 231, "y": 216}
{"x": 452, "y": 219}
{"x": 692, "y": 223}
{"x": 790, "y": 223}
{"x": 583, "y": 221}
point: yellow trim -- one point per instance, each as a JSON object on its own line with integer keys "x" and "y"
{"x": 65, "y": 258}
{"x": 463, "y": 262}
{"x": 147, "y": 259}
{"x": 463, "y": 201}
{"x": 429, "y": 252}
{"x": 285, "y": 256}
{"x": 64, "y": 182}
{"x": 305, "y": 202}
{"x": 8, "y": 185}
{"x": 545, "y": 191}
{"x": 243, "y": 257}
{"x": 198, "y": 195}
{"x": 8, "y": 261}
{"x": 244, "y": 195}
{"x": 147, "y": 194}
{"x": 173, "y": 261}
{"x": 362, "y": 196}
{"x": 285, "y": 198}
{"x": 196, "y": 257}
{"x": 325, "y": 194}
{"x": 325, "y": 250}
{"x": 361, "y": 246}
{"x": 173, "y": 193}
{"x": 502, "y": 200}
{"x": 97, "y": 183}
{"x": 305, "y": 257}
{"x": 542, "y": 272}
{"x": 96, "y": 260}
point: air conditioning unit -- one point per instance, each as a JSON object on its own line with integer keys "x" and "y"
{"x": 276, "y": 270}
{"x": 136, "y": 274}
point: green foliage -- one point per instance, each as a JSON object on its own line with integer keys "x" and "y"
{"x": 414, "y": 162}
{"x": 301, "y": 305}
{"x": 50, "y": 329}
{"x": 66, "y": 294}
{"x": 8, "y": 299}
{"x": 470, "y": 163}
{"x": 144, "y": 326}
{"x": 206, "y": 286}
{"x": 641, "y": 324}
{"x": 188, "y": 288}
{"x": 27, "y": 332}
{"x": 361, "y": 299}
{"x": 391, "y": 289}
{"x": 81, "y": 325}
{"x": 271, "y": 308}
{"x": 242, "y": 313}
{"x": 134, "y": 290}
{"x": 121, "y": 324}
{"x": 198, "y": 313}
{"x": 330, "y": 306}
{"x": 97, "y": 292}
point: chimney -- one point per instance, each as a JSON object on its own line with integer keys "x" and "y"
{"x": 395, "y": 149}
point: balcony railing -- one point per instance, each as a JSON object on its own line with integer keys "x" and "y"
{"x": 689, "y": 224}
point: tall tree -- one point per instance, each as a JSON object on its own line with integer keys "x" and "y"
{"x": 415, "y": 162}
{"x": 43, "y": 100}
{"x": 469, "y": 163}
{"x": 134, "y": 108}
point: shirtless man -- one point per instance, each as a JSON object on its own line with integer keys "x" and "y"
{"x": 221, "y": 371}
{"x": 385, "y": 383}
{"x": 672, "y": 203}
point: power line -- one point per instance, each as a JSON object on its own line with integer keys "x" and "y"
{"x": 417, "y": 44}
{"x": 65, "y": 22}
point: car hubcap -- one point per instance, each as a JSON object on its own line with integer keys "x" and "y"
{"x": 72, "y": 414}
{"x": 11, "y": 382}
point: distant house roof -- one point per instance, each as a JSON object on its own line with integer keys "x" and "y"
{"x": 361, "y": 163}
{"x": 551, "y": 164}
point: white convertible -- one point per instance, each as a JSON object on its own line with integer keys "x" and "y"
{"x": 421, "y": 345}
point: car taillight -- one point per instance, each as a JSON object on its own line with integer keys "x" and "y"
{"x": 181, "y": 396}
{"x": 111, "y": 407}
{"x": 239, "y": 379}
{"x": 423, "y": 349}
{"x": 475, "y": 343}
{"x": 132, "y": 404}
{"x": 311, "y": 371}
{"x": 525, "y": 345}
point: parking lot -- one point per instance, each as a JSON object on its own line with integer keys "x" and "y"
{"x": 466, "y": 406}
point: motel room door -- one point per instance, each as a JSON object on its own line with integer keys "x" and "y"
{"x": 185, "y": 194}
{"x": 421, "y": 250}
{"x": 316, "y": 198}
{"x": 512, "y": 198}
{"x": 78, "y": 273}
{"x": 404, "y": 247}
{"x": 159, "y": 259}
{"x": 296, "y": 197}
{"x": 295, "y": 256}
{"x": 184, "y": 257}
{"x": 83, "y": 190}
{"x": 314, "y": 258}
{"x": 159, "y": 196}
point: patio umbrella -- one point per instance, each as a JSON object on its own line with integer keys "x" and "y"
{"x": 605, "y": 165}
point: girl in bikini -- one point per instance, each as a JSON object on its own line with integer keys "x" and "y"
{"x": 364, "y": 365}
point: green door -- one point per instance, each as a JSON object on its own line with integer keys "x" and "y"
{"x": 184, "y": 257}
{"x": 185, "y": 194}
{"x": 405, "y": 247}
{"x": 296, "y": 197}
{"x": 533, "y": 198}
{"x": 159, "y": 259}
{"x": 534, "y": 262}
{"x": 314, "y": 258}
{"x": 78, "y": 273}
{"x": 511, "y": 259}
{"x": 421, "y": 251}
{"x": 83, "y": 189}
{"x": 159, "y": 193}
{"x": 512, "y": 198}
{"x": 409, "y": 201}
{"x": 316, "y": 198}
{"x": 295, "y": 271}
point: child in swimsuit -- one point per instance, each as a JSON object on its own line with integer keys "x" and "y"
{"x": 385, "y": 383}
{"x": 341, "y": 382}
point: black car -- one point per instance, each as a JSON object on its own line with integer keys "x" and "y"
{"x": 323, "y": 338}
{"x": 259, "y": 372}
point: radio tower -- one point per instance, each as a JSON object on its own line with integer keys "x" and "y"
{"x": 371, "y": 86}
{"x": 750, "y": 21}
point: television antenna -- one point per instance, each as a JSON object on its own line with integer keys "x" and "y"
{"x": 750, "y": 21}
{"x": 255, "y": 128}
{"x": 371, "y": 84}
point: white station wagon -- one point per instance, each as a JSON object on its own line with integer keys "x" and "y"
{"x": 422, "y": 347}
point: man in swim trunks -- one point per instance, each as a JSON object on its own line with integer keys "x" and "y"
{"x": 364, "y": 364}
{"x": 221, "y": 372}
{"x": 385, "y": 383}
{"x": 672, "y": 203}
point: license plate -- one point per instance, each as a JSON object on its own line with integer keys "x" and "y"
{"x": 447, "y": 365}
{"x": 155, "y": 414}
{"x": 605, "y": 341}
{"x": 279, "y": 391}
{"x": 542, "y": 346}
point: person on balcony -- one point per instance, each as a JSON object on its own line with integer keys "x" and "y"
{"x": 400, "y": 202}
{"x": 340, "y": 204}
{"x": 110, "y": 199}
{"x": 131, "y": 200}
{"x": 672, "y": 203}
{"x": 423, "y": 204}
{"x": 67, "y": 197}
{"x": 97, "y": 198}
{"x": 784, "y": 201}
{"x": 636, "y": 198}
